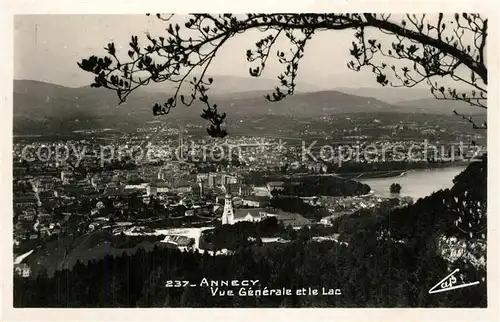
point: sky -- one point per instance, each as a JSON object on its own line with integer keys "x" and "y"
{"x": 63, "y": 40}
{"x": 48, "y": 47}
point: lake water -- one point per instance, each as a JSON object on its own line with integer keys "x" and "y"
{"x": 416, "y": 183}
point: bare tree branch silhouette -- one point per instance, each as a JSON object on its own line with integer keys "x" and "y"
{"x": 429, "y": 49}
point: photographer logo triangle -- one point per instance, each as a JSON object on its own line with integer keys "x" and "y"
{"x": 447, "y": 284}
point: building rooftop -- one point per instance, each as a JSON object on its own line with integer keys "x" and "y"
{"x": 254, "y": 212}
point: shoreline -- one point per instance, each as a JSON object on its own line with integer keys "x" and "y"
{"x": 359, "y": 176}
{"x": 419, "y": 182}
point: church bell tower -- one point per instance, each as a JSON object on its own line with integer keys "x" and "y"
{"x": 228, "y": 214}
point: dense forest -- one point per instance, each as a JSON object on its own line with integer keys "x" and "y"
{"x": 388, "y": 259}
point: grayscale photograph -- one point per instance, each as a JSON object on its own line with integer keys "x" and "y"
{"x": 260, "y": 160}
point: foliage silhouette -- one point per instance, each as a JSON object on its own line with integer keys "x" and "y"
{"x": 395, "y": 188}
{"x": 428, "y": 49}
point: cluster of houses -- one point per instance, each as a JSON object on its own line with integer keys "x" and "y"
{"x": 22, "y": 269}
{"x": 258, "y": 214}
{"x": 203, "y": 194}
{"x": 33, "y": 225}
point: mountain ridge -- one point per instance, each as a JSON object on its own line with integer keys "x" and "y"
{"x": 40, "y": 103}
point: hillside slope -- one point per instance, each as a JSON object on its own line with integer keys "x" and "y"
{"x": 48, "y": 107}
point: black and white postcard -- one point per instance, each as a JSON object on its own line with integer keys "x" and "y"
{"x": 322, "y": 159}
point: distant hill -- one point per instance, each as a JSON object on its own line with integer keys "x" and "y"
{"x": 224, "y": 85}
{"x": 313, "y": 104}
{"x": 390, "y": 95}
{"x": 40, "y": 106}
{"x": 49, "y": 107}
{"x": 418, "y": 100}
{"x": 435, "y": 106}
